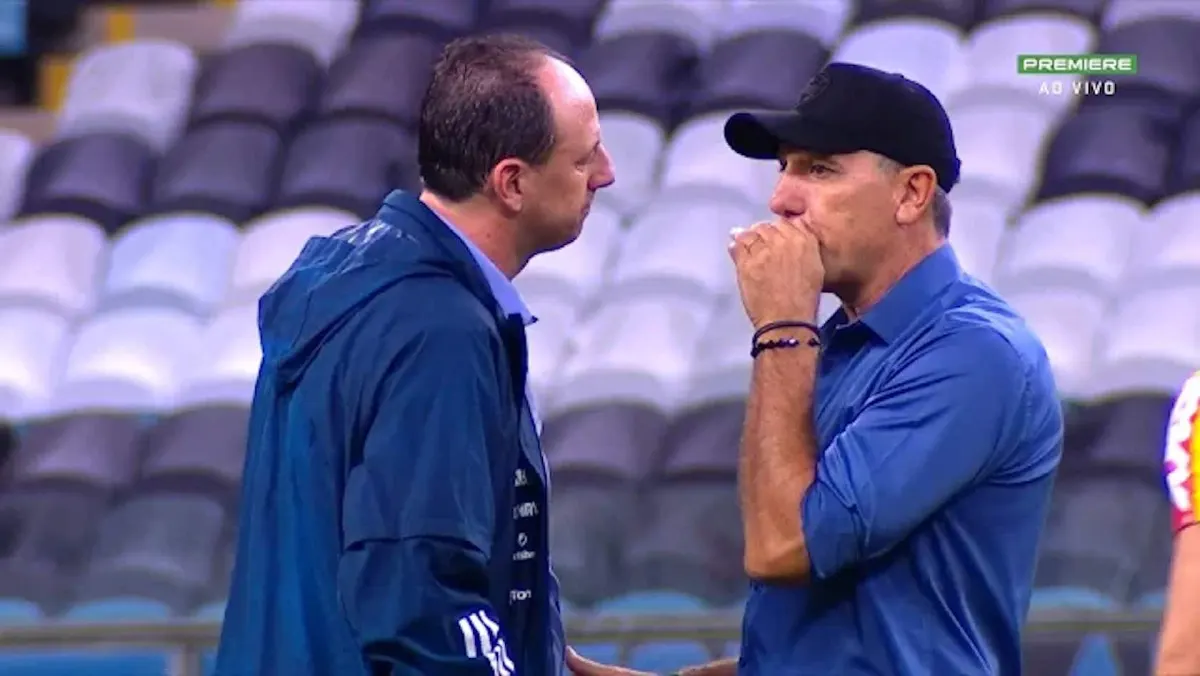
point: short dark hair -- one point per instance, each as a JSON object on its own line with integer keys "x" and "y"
{"x": 483, "y": 105}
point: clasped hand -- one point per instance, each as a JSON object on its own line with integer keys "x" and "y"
{"x": 779, "y": 271}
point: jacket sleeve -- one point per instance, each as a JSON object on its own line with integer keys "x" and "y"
{"x": 418, "y": 512}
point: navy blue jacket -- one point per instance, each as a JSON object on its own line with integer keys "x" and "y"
{"x": 393, "y": 516}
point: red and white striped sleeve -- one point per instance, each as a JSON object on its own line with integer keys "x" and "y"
{"x": 1181, "y": 457}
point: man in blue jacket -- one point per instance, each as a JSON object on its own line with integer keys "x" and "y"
{"x": 394, "y": 503}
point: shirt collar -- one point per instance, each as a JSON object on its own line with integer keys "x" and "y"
{"x": 908, "y": 297}
{"x": 502, "y": 288}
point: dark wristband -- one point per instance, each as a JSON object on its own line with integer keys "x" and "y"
{"x": 758, "y": 345}
{"x": 784, "y": 324}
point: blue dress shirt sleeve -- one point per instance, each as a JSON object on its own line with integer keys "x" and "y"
{"x": 934, "y": 428}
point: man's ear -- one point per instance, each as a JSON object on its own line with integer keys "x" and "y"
{"x": 916, "y": 186}
{"x": 505, "y": 183}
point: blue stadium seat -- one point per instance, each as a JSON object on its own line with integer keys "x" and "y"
{"x": 102, "y": 177}
{"x": 227, "y": 169}
{"x": 118, "y": 610}
{"x": 97, "y": 662}
{"x": 668, "y": 656}
{"x": 1070, "y": 598}
{"x": 270, "y": 84}
{"x": 605, "y": 653}
{"x": 372, "y": 157}
{"x": 658, "y": 602}
{"x": 1155, "y": 600}
{"x": 19, "y": 611}
{"x": 1095, "y": 658}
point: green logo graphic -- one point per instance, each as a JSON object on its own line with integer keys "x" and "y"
{"x": 1077, "y": 64}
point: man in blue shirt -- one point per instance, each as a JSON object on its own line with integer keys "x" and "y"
{"x": 393, "y": 517}
{"x": 897, "y": 462}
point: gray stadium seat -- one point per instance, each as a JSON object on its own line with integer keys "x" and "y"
{"x": 1151, "y": 341}
{"x": 32, "y": 342}
{"x": 1080, "y": 157}
{"x": 1170, "y": 254}
{"x": 634, "y": 142}
{"x": 67, "y": 470}
{"x": 1000, "y": 147}
{"x": 1184, "y": 174}
{"x": 1081, "y": 242}
{"x": 53, "y": 262}
{"x": 372, "y": 158}
{"x": 197, "y": 452}
{"x": 1095, "y": 534}
{"x": 158, "y": 546}
{"x": 691, "y": 540}
{"x": 572, "y": 20}
{"x": 695, "y": 167}
{"x": 228, "y": 366}
{"x": 141, "y": 87}
{"x": 643, "y": 56}
{"x": 366, "y": 82}
{"x": 986, "y": 74}
{"x": 319, "y": 26}
{"x": 178, "y": 260}
{"x": 731, "y": 75}
{"x": 547, "y": 35}
{"x": 1068, "y": 321}
{"x": 1168, "y": 50}
{"x": 131, "y": 359}
{"x": 881, "y": 44}
{"x": 271, "y": 242}
{"x": 1131, "y": 437}
{"x": 959, "y": 14}
{"x": 977, "y": 231}
{"x": 271, "y": 84}
{"x": 825, "y": 21}
{"x": 1088, "y": 10}
{"x": 16, "y": 154}
{"x": 227, "y": 169}
{"x": 101, "y": 177}
{"x": 442, "y": 21}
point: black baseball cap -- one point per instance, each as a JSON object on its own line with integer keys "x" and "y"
{"x": 847, "y": 108}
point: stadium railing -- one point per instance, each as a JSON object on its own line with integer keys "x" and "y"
{"x": 188, "y": 640}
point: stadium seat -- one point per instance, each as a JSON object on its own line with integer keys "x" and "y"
{"x": 1087, "y": 10}
{"x": 32, "y": 343}
{"x": 604, "y": 653}
{"x": 97, "y": 662}
{"x": 643, "y": 53}
{"x": 1131, "y": 434}
{"x": 118, "y": 610}
{"x": 1068, "y": 322}
{"x": 102, "y": 177}
{"x": 158, "y": 547}
{"x": 1118, "y": 13}
{"x": 668, "y": 656}
{"x": 634, "y": 142}
{"x": 577, "y": 272}
{"x": 51, "y": 262}
{"x": 319, "y": 26}
{"x": 271, "y": 242}
{"x": 230, "y": 354}
{"x": 888, "y": 45}
{"x": 1094, "y": 537}
{"x": 731, "y": 75}
{"x": 1168, "y": 58}
{"x": 824, "y": 21}
{"x": 548, "y": 342}
{"x": 16, "y": 154}
{"x": 442, "y": 21}
{"x": 1081, "y": 242}
{"x": 1000, "y": 146}
{"x": 18, "y": 612}
{"x": 985, "y": 74}
{"x": 1170, "y": 254}
{"x": 650, "y": 602}
{"x": 227, "y": 169}
{"x": 960, "y": 15}
{"x": 1080, "y": 157}
{"x": 268, "y": 84}
{"x": 1095, "y": 658}
{"x": 365, "y": 82}
{"x": 698, "y": 167}
{"x": 1184, "y": 174}
{"x": 978, "y": 227}
{"x": 129, "y": 360}
{"x": 1151, "y": 341}
{"x": 180, "y": 260}
{"x": 198, "y": 451}
{"x": 719, "y": 370}
{"x": 655, "y": 260}
{"x": 141, "y": 88}
{"x": 572, "y": 20}
{"x": 373, "y": 157}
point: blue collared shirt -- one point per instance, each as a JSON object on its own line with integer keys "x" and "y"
{"x": 940, "y": 432}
